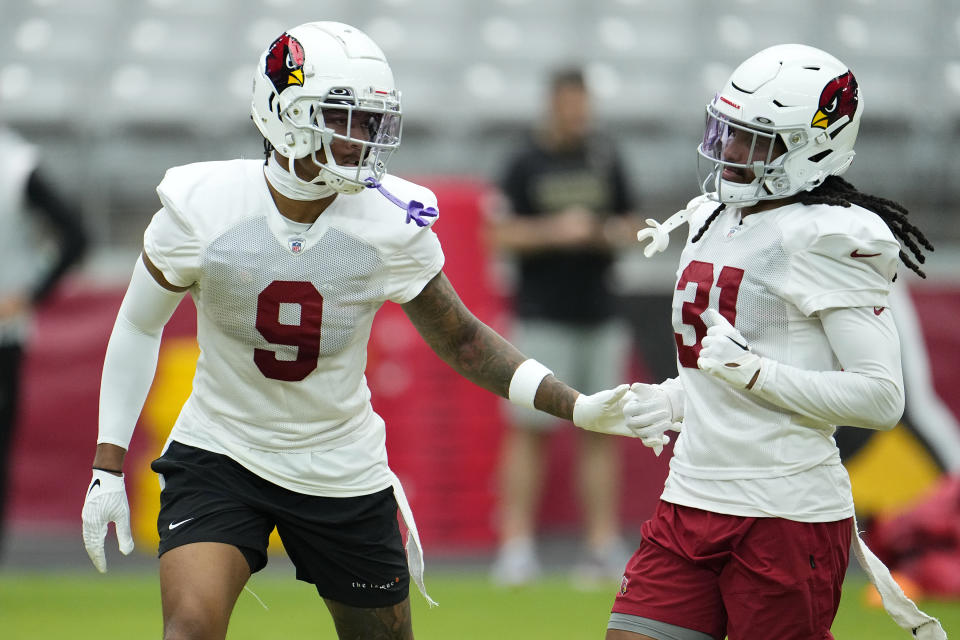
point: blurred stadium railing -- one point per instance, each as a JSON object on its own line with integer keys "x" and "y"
{"x": 116, "y": 91}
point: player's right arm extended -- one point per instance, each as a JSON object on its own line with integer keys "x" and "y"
{"x": 128, "y": 370}
{"x": 482, "y": 356}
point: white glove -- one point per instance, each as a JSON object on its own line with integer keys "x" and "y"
{"x": 603, "y": 411}
{"x": 106, "y": 502}
{"x": 726, "y": 354}
{"x": 649, "y": 413}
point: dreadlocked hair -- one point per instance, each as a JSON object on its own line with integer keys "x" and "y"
{"x": 708, "y": 222}
{"x": 838, "y": 192}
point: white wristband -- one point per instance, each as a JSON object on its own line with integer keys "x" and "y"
{"x": 525, "y": 382}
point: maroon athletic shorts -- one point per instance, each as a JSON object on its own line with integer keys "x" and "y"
{"x": 738, "y": 577}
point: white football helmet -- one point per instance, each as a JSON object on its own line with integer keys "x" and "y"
{"x": 795, "y": 109}
{"x": 328, "y": 69}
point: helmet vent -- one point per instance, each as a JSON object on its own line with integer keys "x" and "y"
{"x": 341, "y": 95}
{"x": 817, "y": 157}
{"x": 734, "y": 84}
{"x": 834, "y": 134}
{"x": 812, "y": 68}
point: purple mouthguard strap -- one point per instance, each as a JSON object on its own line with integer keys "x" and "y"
{"x": 415, "y": 210}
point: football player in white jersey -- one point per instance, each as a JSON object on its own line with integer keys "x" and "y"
{"x": 783, "y": 331}
{"x": 31, "y": 207}
{"x": 287, "y": 262}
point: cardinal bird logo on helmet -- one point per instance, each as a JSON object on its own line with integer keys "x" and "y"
{"x": 284, "y": 64}
{"x": 839, "y": 98}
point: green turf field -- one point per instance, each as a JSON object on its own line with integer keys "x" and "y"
{"x": 88, "y": 606}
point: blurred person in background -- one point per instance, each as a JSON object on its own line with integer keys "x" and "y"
{"x": 783, "y": 331}
{"x": 288, "y": 260}
{"x": 41, "y": 238}
{"x": 564, "y": 210}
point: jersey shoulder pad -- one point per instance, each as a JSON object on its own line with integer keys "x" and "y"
{"x": 844, "y": 233}
{"x": 206, "y": 189}
{"x": 408, "y": 192}
{"x": 387, "y": 210}
{"x": 839, "y": 257}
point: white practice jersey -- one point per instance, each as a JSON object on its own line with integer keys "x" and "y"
{"x": 283, "y": 318}
{"x": 770, "y": 274}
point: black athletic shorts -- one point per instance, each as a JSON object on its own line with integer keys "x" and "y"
{"x": 349, "y": 548}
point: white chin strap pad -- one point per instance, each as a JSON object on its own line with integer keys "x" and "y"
{"x": 290, "y": 186}
{"x": 340, "y": 184}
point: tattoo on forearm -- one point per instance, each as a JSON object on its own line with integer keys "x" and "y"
{"x": 475, "y": 350}
{"x": 555, "y": 398}
{"x": 472, "y": 348}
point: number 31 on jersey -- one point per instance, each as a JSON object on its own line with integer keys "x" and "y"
{"x": 701, "y": 274}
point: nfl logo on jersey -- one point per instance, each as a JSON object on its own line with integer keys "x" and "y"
{"x": 295, "y": 245}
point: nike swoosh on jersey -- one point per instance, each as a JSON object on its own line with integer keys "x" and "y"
{"x": 742, "y": 346}
{"x": 878, "y": 310}
{"x": 174, "y": 525}
{"x": 856, "y": 254}
{"x": 93, "y": 485}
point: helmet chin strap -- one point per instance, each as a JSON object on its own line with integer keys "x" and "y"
{"x": 340, "y": 184}
{"x": 290, "y": 186}
{"x": 734, "y": 193}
